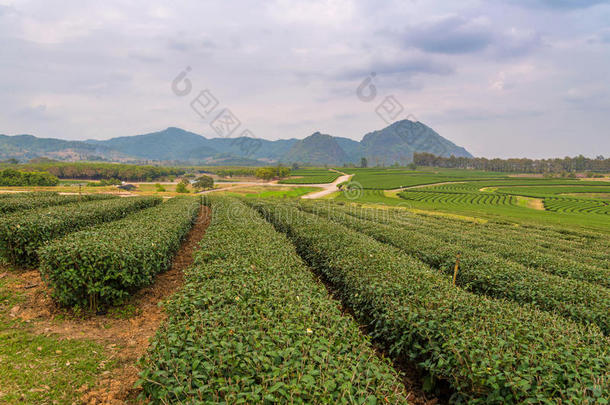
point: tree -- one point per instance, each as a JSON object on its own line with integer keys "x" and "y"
{"x": 204, "y": 182}
{"x": 268, "y": 173}
{"x": 295, "y": 166}
{"x": 364, "y": 162}
{"x": 181, "y": 188}
{"x": 159, "y": 188}
{"x": 412, "y": 166}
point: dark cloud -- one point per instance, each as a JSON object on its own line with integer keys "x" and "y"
{"x": 450, "y": 35}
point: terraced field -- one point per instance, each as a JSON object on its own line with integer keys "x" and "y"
{"x": 311, "y": 176}
{"x": 456, "y": 198}
{"x": 574, "y": 205}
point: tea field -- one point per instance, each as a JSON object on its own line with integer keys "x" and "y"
{"x": 487, "y": 290}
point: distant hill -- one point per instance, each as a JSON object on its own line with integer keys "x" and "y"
{"x": 26, "y": 147}
{"x": 169, "y": 144}
{"x": 395, "y": 143}
{"x": 317, "y": 149}
{"x": 398, "y": 142}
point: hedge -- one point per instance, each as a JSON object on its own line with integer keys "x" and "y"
{"x": 103, "y": 265}
{"x": 564, "y": 258}
{"x": 25, "y": 201}
{"x": 22, "y": 233}
{"x": 489, "y": 351}
{"x": 483, "y": 272}
{"x": 253, "y": 325}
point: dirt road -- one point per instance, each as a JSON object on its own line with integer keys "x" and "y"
{"x": 328, "y": 188}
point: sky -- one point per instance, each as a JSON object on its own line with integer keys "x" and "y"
{"x": 515, "y": 78}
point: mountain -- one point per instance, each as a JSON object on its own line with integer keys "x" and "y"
{"x": 395, "y": 143}
{"x": 317, "y": 149}
{"x": 398, "y": 142}
{"x": 169, "y": 144}
{"x": 26, "y": 147}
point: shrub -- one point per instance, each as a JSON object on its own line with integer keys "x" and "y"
{"x": 181, "y": 188}
{"x": 253, "y": 325}
{"x": 490, "y": 351}
{"x": 485, "y": 273}
{"x": 22, "y": 233}
{"x": 12, "y": 177}
{"x": 25, "y": 201}
{"x": 102, "y": 265}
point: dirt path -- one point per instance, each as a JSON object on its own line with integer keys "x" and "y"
{"x": 328, "y": 188}
{"x": 126, "y": 337}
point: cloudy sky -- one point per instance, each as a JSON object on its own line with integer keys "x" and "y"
{"x": 502, "y": 78}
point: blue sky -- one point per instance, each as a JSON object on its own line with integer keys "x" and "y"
{"x": 502, "y": 78}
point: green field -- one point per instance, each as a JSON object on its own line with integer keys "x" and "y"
{"x": 569, "y": 202}
{"x": 311, "y": 176}
{"x": 485, "y": 288}
{"x": 390, "y": 178}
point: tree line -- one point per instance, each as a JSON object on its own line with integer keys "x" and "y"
{"x": 107, "y": 171}
{"x": 16, "y": 178}
{"x": 523, "y": 165}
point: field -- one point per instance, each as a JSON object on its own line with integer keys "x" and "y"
{"x": 452, "y": 287}
{"x": 311, "y": 176}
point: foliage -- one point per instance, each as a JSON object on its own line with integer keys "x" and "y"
{"x": 253, "y": 325}
{"x": 181, "y": 188}
{"x": 104, "y": 182}
{"x": 232, "y": 171}
{"x": 22, "y": 233}
{"x": 159, "y": 188}
{"x": 482, "y": 271}
{"x": 204, "y": 182}
{"x": 454, "y": 198}
{"x": 26, "y": 201}
{"x": 268, "y": 173}
{"x": 98, "y": 171}
{"x": 489, "y": 351}
{"x": 311, "y": 176}
{"x": 11, "y": 177}
{"x": 578, "y": 163}
{"x": 103, "y": 265}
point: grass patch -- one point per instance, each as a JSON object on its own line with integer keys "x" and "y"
{"x": 529, "y": 202}
{"x": 39, "y": 369}
{"x": 270, "y": 192}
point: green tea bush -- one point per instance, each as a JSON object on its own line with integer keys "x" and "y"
{"x": 588, "y": 262}
{"x": 102, "y": 265}
{"x": 22, "y": 233}
{"x": 489, "y": 351}
{"x": 485, "y": 273}
{"x": 25, "y": 201}
{"x": 252, "y": 325}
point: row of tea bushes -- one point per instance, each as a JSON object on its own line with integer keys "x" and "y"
{"x": 485, "y": 273}
{"x": 489, "y": 351}
{"x": 22, "y": 233}
{"x": 252, "y": 325}
{"x": 24, "y": 201}
{"x": 103, "y": 265}
{"x": 591, "y": 264}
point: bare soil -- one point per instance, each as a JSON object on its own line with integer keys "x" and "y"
{"x": 126, "y": 337}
